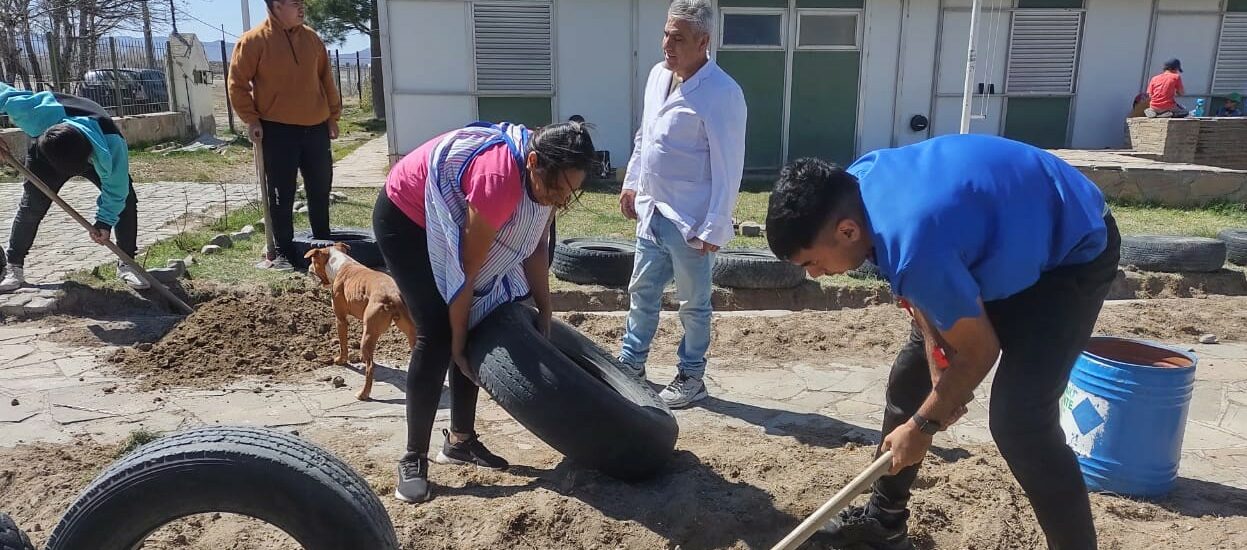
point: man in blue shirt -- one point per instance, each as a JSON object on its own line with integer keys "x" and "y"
{"x": 999, "y": 249}
{"x": 70, "y": 136}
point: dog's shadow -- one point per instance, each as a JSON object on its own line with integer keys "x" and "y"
{"x": 396, "y": 378}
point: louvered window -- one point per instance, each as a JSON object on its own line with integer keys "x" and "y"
{"x": 1231, "y": 70}
{"x": 1043, "y": 51}
{"x": 513, "y": 47}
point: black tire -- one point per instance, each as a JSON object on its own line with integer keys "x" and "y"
{"x": 265, "y": 474}
{"x": 570, "y": 393}
{"x": 594, "y": 261}
{"x": 1172, "y": 254}
{"x": 362, "y": 242}
{"x": 11, "y": 537}
{"x": 1235, "y": 245}
{"x": 754, "y": 268}
{"x": 866, "y": 271}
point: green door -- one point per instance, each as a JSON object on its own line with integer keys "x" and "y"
{"x": 752, "y": 50}
{"x": 824, "y": 99}
{"x": 826, "y": 70}
{"x": 761, "y": 77}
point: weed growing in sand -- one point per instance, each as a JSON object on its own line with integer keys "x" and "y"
{"x": 138, "y": 438}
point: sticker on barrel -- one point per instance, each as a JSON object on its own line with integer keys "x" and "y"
{"x": 1082, "y": 417}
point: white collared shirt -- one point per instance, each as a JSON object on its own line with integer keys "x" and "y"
{"x": 689, "y": 154}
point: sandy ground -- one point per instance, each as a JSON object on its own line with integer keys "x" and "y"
{"x": 728, "y": 487}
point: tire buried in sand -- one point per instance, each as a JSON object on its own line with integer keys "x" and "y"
{"x": 570, "y": 393}
{"x": 755, "y": 268}
{"x": 1172, "y": 254}
{"x": 269, "y": 475}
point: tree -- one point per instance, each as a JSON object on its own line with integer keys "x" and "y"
{"x": 337, "y": 19}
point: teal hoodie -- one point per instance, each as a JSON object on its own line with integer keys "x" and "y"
{"x": 35, "y": 112}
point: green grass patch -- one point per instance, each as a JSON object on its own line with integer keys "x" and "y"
{"x": 137, "y": 438}
{"x": 1145, "y": 219}
{"x": 234, "y": 265}
{"x": 597, "y": 214}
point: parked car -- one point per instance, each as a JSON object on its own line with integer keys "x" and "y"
{"x": 101, "y": 86}
{"x": 153, "y": 83}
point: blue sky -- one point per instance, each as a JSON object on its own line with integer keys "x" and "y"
{"x": 215, "y": 13}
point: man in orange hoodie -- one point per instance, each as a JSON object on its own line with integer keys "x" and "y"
{"x": 281, "y": 85}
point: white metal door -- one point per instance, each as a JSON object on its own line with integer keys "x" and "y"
{"x": 987, "y": 111}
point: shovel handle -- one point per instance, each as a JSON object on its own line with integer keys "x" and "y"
{"x": 846, "y": 495}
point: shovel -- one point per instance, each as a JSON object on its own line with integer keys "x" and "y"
{"x": 821, "y": 516}
{"x": 7, "y": 156}
{"x": 262, "y": 178}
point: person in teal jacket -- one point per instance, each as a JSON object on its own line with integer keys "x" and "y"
{"x": 70, "y": 136}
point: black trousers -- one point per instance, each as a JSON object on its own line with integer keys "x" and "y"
{"x": 288, "y": 151}
{"x": 404, "y": 245}
{"x": 1042, "y": 330}
{"x": 35, "y": 204}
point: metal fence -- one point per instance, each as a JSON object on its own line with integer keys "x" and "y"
{"x": 123, "y": 74}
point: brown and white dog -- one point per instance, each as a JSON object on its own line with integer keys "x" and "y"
{"x": 365, "y": 294}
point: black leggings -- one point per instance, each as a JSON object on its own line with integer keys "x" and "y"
{"x": 405, "y": 247}
{"x": 1042, "y": 330}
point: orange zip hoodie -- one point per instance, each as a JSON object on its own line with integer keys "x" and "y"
{"x": 282, "y": 76}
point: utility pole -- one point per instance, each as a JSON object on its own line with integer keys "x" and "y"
{"x": 246, "y": 15}
{"x": 967, "y": 97}
{"x": 147, "y": 37}
{"x": 173, "y": 15}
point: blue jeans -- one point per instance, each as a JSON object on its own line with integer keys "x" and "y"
{"x": 657, "y": 262}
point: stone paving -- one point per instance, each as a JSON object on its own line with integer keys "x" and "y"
{"x": 367, "y": 166}
{"x": 62, "y": 247}
{"x": 61, "y": 392}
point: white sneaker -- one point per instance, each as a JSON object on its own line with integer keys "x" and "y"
{"x": 683, "y": 391}
{"x": 14, "y": 278}
{"x": 130, "y": 276}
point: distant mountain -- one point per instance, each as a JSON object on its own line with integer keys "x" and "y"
{"x": 213, "y": 49}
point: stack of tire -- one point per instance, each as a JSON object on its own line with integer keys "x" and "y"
{"x": 1173, "y": 254}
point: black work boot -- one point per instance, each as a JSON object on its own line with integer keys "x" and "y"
{"x": 866, "y": 528}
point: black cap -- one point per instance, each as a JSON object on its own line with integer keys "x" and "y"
{"x": 1173, "y": 65}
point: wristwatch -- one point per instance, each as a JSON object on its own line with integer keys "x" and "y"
{"x": 926, "y": 426}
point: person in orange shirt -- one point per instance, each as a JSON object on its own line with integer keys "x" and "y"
{"x": 1162, "y": 90}
{"x": 281, "y": 85}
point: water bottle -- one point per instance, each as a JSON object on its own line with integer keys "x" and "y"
{"x": 1199, "y": 107}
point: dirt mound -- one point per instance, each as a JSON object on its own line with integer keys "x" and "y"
{"x": 726, "y": 488}
{"x": 286, "y": 334}
{"x": 280, "y": 334}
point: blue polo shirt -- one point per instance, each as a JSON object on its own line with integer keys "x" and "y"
{"x": 962, "y": 217}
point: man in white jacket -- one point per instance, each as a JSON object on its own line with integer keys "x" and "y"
{"x": 681, "y": 187}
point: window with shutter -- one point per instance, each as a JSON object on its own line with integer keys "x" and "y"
{"x": 1043, "y": 51}
{"x": 513, "y": 41}
{"x": 1231, "y": 69}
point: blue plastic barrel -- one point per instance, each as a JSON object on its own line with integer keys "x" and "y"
{"x": 1124, "y": 413}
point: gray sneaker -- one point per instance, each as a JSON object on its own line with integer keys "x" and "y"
{"x": 683, "y": 391}
{"x": 635, "y": 372}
